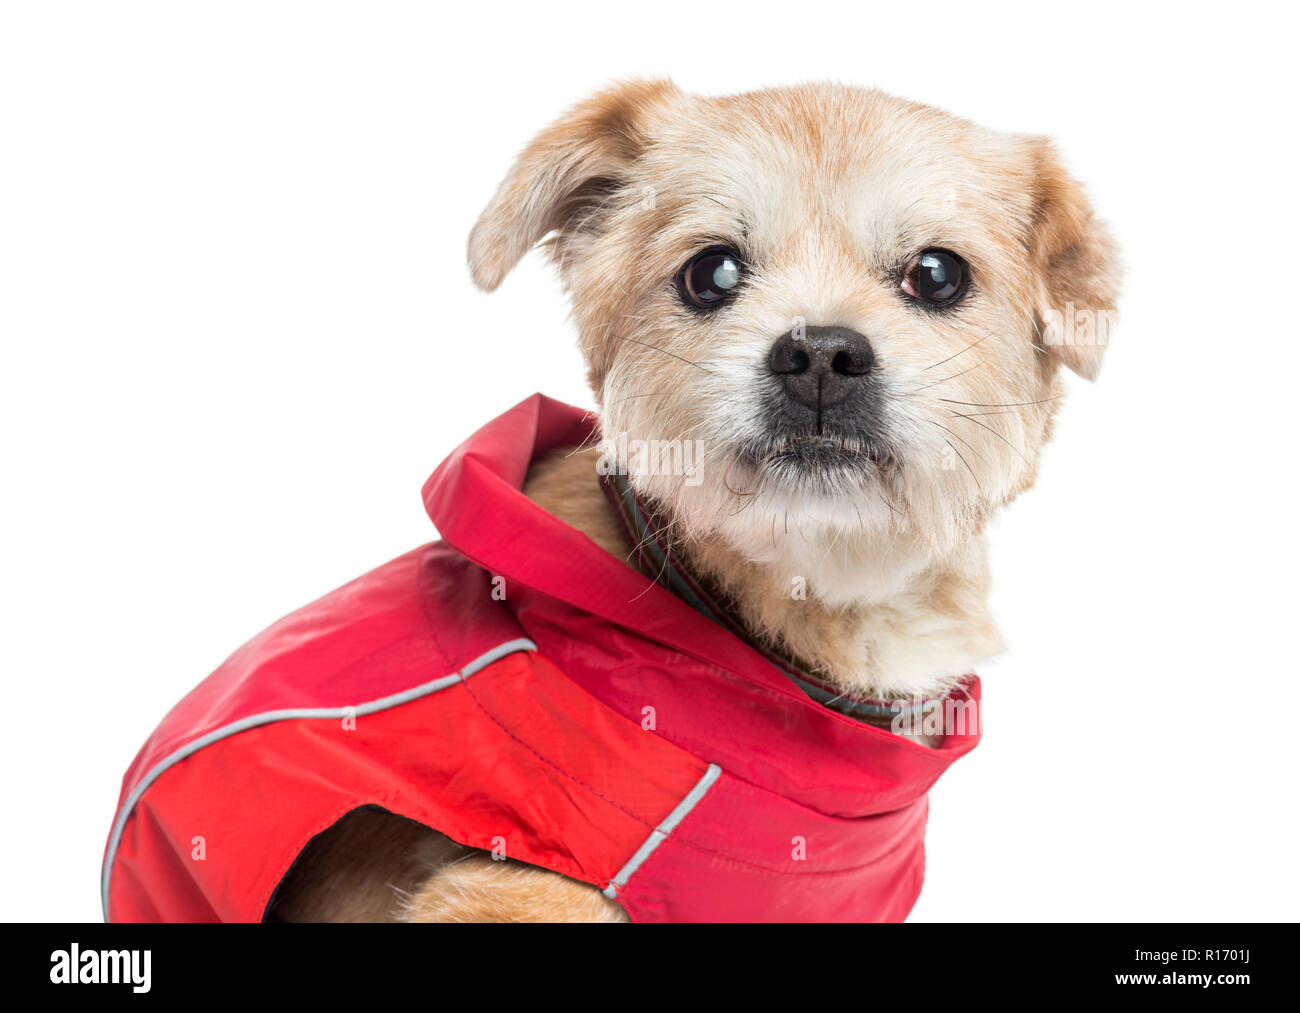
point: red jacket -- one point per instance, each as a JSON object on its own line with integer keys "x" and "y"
{"x": 517, "y": 688}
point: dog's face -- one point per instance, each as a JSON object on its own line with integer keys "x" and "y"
{"x": 839, "y": 314}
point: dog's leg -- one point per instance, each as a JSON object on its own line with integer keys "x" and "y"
{"x": 477, "y": 888}
{"x": 373, "y": 866}
{"x": 360, "y": 869}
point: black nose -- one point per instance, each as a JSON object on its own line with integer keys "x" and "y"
{"x": 823, "y": 366}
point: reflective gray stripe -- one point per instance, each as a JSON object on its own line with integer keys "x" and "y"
{"x": 660, "y": 833}
{"x": 253, "y": 720}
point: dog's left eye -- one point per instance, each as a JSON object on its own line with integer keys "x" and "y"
{"x": 937, "y": 277}
{"x": 709, "y": 278}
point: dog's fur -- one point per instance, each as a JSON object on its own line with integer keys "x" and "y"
{"x": 827, "y": 192}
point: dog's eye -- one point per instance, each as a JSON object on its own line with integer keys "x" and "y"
{"x": 937, "y": 277}
{"x": 709, "y": 278}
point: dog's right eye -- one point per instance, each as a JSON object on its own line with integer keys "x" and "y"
{"x": 709, "y": 278}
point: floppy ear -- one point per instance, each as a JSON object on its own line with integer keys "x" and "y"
{"x": 1076, "y": 265}
{"x": 562, "y": 177}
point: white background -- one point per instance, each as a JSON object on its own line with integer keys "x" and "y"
{"x": 238, "y": 333}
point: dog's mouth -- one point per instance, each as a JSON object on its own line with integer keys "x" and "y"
{"x": 819, "y": 461}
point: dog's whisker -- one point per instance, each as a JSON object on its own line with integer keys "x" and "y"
{"x": 1018, "y": 404}
{"x": 954, "y": 355}
{"x": 892, "y": 508}
{"x": 681, "y": 358}
{"x": 964, "y": 443}
{"x": 967, "y": 464}
{"x": 990, "y": 429}
{"x": 944, "y": 380}
{"x": 633, "y": 397}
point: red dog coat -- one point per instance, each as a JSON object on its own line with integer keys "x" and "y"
{"x": 520, "y": 690}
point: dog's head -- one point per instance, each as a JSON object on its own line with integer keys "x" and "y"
{"x": 828, "y": 321}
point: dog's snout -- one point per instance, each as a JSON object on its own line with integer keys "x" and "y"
{"x": 821, "y": 366}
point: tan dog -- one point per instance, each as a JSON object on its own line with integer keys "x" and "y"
{"x": 858, "y": 306}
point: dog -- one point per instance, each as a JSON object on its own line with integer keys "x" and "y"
{"x": 859, "y": 307}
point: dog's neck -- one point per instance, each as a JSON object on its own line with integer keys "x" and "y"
{"x": 901, "y": 638}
